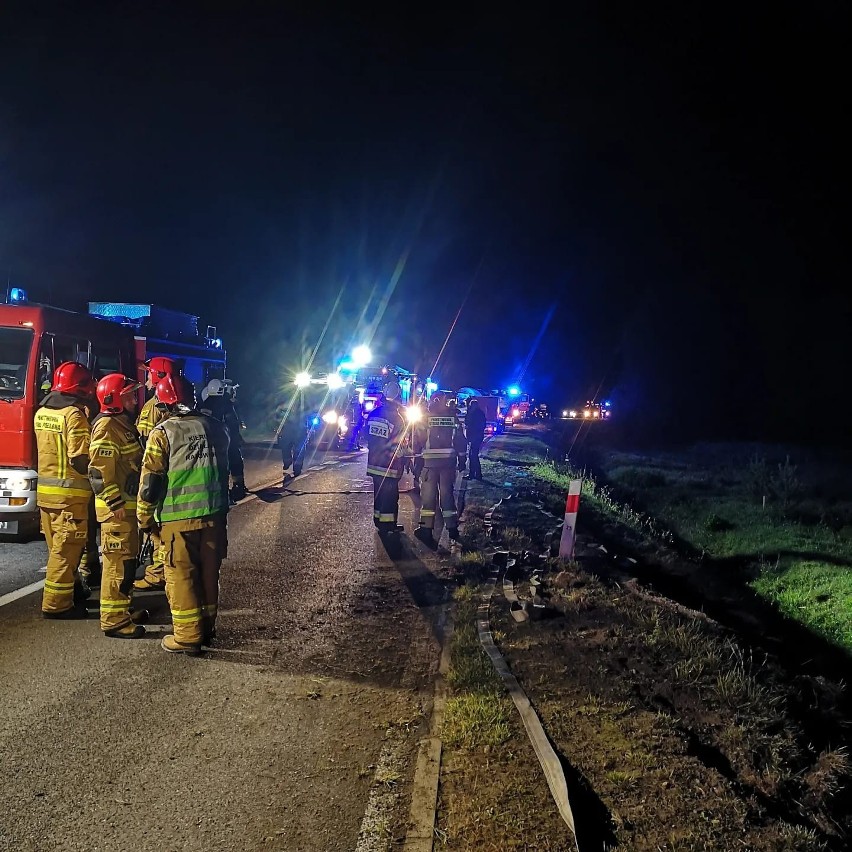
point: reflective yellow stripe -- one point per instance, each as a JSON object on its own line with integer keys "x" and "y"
{"x": 114, "y": 606}
{"x": 58, "y": 587}
{"x": 96, "y": 445}
{"x": 71, "y": 492}
{"x": 386, "y": 518}
{"x": 186, "y": 614}
{"x": 390, "y": 473}
{"x": 427, "y": 513}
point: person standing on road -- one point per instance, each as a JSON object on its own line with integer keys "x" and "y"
{"x": 115, "y": 457}
{"x": 356, "y": 413}
{"x": 218, "y": 403}
{"x": 183, "y": 494}
{"x": 386, "y": 432}
{"x": 63, "y": 434}
{"x": 151, "y": 414}
{"x": 474, "y": 427}
{"x": 442, "y": 445}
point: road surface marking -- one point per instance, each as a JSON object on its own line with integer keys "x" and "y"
{"x": 21, "y": 593}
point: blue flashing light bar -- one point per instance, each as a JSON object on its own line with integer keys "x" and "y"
{"x": 514, "y": 391}
{"x": 17, "y": 295}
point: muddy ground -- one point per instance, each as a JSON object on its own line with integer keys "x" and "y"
{"x": 677, "y": 730}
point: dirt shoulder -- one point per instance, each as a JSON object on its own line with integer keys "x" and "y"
{"x": 675, "y": 732}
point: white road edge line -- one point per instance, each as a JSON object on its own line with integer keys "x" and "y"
{"x": 21, "y": 593}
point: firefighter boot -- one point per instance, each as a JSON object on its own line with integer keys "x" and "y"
{"x": 424, "y": 535}
{"x": 171, "y": 645}
{"x": 129, "y": 631}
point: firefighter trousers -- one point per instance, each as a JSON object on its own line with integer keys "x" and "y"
{"x": 192, "y": 559}
{"x": 436, "y": 489}
{"x": 66, "y": 532}
{"x": 385, "y": 501}
{"x": 120, "y": 546}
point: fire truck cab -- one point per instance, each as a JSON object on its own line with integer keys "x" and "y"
{"x": 34, "y": 340}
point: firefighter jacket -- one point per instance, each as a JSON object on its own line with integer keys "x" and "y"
{"x": 440, "y": 441}
{"x": 150, "y": 415}
{"x": 62, "y": 437}
{"x": 115, "y": 458}
{"x": 184, "y": 471}
{"x": 386, "y": 435}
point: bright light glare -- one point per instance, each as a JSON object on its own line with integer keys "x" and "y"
{"x": 342, "y": 423}
{"x": 594, "y": 414}
{"x": 413, "y": 414}
{"x": 335, "y": 381}
{"x": 348, "y": 366}
{"x": 514, "y": 391}
{"x": 565, "y": 414}
{"x": 572, "y": 413}
{"x": 431, "y": 386}
{"x": 330, "y": 417}
{"x": 369, "y": 405}
{"x": 587, "y": 413}
{"x": 362, "y": 356}
{"x": 302, "y": 380}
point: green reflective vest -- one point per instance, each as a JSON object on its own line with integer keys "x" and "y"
{"x": 198, "y": 468}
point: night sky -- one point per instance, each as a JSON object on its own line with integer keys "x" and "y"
{"x": 651, "y": 205}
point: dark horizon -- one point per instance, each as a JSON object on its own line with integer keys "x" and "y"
{"x": 666, "y": 186}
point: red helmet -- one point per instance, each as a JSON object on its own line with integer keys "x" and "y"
{"x": 71, "y": 377}
{"x": 175, "y": 390}
{"x": 111, "y": 389}
{"x": 159, "y": 367}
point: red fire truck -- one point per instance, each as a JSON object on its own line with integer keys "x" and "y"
{"x": 34, "y": 339}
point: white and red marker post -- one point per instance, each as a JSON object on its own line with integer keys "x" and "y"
{"x": 569, "y": 528}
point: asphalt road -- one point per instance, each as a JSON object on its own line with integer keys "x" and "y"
{"x": 302, "y": 719}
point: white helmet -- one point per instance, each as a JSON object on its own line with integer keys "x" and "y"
{"x": 215, "y": 387}
{"x": 392, "y": 390}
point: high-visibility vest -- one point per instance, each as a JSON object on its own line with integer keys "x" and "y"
{"x": 197, "y": 468}
{"x": 61, "y": 435}
{"x": 115, "y": 457}
{"x": 444, "y": 440}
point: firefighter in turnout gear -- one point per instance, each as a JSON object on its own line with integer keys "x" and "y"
{"x": 386, "y": 432}
{"x": 62, "y": 435}
{"x": 152, "y": 413}
{"x": 218, "y": 400}
{"x": 115, "y": 457}
{"x": 183, "y": 492}
{"x": 441, "y": 443}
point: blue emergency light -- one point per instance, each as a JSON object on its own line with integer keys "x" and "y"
{"x": 17, "y": 294}
{"x": 514, "y": 391}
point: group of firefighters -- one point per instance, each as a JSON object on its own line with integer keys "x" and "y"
{"x": 169, "y": 476}
{"x": 434, "y": 444}
{"x": 164, "y": 475}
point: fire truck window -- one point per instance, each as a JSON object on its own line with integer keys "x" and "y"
{"x": 15, "y": 347}
{"x": 106, "y": 360}
{"x": 70, "y": 349}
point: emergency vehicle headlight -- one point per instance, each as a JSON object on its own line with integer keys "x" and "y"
{"x": 18, "y": 483}
{"x": 342, "y": 423}
{"x": 413, "y": 414}
{"x": 595, "y": 414}
{"x": 587, "y": 414}
{"x": 302, "y": 380}
{"x": 335, "y": 381}
{"x": 330, "y": 417}
{"x": 572, "y": 413}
